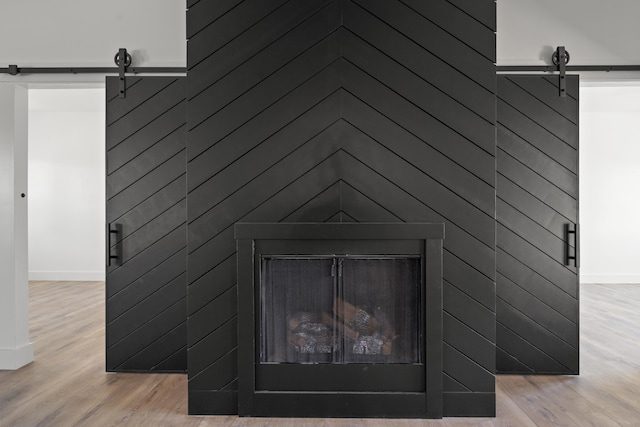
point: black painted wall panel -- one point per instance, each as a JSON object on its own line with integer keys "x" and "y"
{"x": 537, "y": 196}
{"x": 146, "y": 302}
{"x": 422, "y": 62}
{"x": 206, "y": 12}
{"x": 344, "y": 110}
{"x": 245, "y": 43}
{"x": 484, "y": 11}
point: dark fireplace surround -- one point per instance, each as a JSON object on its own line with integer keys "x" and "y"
{"x": 343, "y": 373}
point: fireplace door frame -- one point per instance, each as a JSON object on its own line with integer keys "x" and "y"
{"x": 410, "y": 390}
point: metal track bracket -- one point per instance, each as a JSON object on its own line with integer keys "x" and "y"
{"x": 122, "y": 60}
{"x": 561, "y": 58}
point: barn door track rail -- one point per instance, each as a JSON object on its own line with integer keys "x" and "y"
{"x": 122, "y": 68}
{"x": 560, "y": 59}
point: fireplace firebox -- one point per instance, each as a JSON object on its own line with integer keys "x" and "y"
{"x": 340, "y": 320}
{"x": 340, "y": 309}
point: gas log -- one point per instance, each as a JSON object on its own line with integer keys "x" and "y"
{"x": 365, "y": 333}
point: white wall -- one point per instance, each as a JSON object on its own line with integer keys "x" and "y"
{"x": 594, "y": 32}
{"x": 66, "y": 184}
{"x": 610, "y": 183}
{"x": 37, "y": 33}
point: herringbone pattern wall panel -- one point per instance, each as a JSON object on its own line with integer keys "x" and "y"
{"x": 345, "y": 110}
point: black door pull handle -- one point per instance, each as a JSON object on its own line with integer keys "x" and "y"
{"x": 112, "y": 251}
{"x": 568, "y": 232}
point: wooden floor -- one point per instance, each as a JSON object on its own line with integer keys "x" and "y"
{"x": 66, "y": 384}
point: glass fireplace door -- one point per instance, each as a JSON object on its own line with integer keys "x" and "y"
{"x": 297, "y": 295}
{"x": 340, "y": 310}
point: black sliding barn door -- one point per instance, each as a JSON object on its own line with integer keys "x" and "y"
{"x": 537, "y": 210}
{"x": 146, "y": 310}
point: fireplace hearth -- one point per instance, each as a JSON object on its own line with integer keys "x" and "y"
{"x": 340, "y": 319}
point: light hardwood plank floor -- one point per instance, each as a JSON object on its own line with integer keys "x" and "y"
{"x": 66, "y": 384}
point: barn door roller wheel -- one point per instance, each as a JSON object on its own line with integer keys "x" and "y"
{"x": 127, "y": 61}
{"x": 557, "y": 55}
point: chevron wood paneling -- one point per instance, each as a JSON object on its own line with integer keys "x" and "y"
{"x": 146, "y": 306}
{"x": 537, "y": 195}
{"x": 343, "y": 110}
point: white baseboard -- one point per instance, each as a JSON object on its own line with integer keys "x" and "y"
{"x": 609, "y": 278}
{"x": 82, "y": 276}
{"x": 16, "y": 358}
